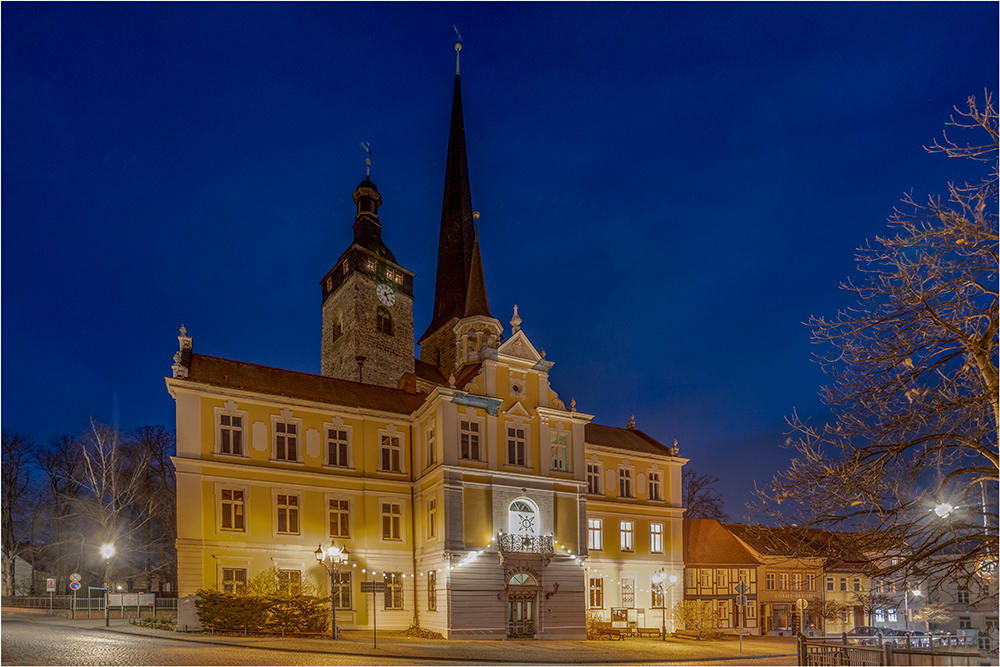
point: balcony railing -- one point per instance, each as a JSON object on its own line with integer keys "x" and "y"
{"x": 536, "y": 544}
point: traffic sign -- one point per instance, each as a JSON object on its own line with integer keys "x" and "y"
{"x": 75, "y": 585}
{"x": 50, "y": 585}
{"x": 372, "y": 586}
{"x": 741, "y": 600}
{"x": 75, "y": 577}
{"x": 742, "y": 588}
{"x": 801, "y": 603}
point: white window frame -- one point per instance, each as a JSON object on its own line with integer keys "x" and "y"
{"x": 595, "y": 586}
{"x": 595, "y": 468}
{"x": 626, "y": 473}
{"x": 654, "y": 482}
{"x": 283, "y": 584}
{"x": 479, "y": 433}
{"x": 231, "y": 409}
{"x": 382, "y": 502}
{"x": 431, "y": 513}
{"x": 344, "y": 581}
{"x": 331, "y": 497}
{"x": 555, "y": 447}
{"x": 390, "y": 433}
{"x": 285, "y": 417}
{"x": 430, "y": 444}
{"x": 595, "y": 527}
{"x": 234, "y": 568}
{"x": 219, "y": 488}
{"x": 656, "y": 542}
{"x": 432, "y": 593}
{"x": 524, "y": 440}
{"x": 626, "y": 532}
{"x": 275, "y": 512}
{"x": 337, "y": 424}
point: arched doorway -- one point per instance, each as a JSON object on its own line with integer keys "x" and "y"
{"x": 522, "y": 595}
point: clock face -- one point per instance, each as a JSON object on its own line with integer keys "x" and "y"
{"x": 385, "y": 294}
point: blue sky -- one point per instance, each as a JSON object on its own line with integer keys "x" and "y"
{"x": 667, "y": 190}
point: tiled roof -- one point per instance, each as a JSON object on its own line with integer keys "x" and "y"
{"x": 708, "y": 541}
{"x": 219, "y": 372}
{"x": 795, "y": 541}
{"x": 429, "y": 372}
{"x": 624, "y": 438}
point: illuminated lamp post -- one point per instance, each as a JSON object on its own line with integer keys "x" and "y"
{"x": 107, "y": 552}
{"x": 332, "y": 559}
{"x": 658, "y": 579}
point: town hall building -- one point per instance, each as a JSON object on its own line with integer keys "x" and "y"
{"x": 485, "y": 505}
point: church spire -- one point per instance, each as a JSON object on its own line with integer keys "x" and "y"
{"x": 457, "y": 235}
{"x": 476, "y": 301}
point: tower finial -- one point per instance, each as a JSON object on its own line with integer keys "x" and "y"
{"x": 368, "y": 160}
{"x": 458, "y": 47}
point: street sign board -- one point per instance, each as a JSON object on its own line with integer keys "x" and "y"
{"x": 742, "y": 588}
{"x": 801, "y": 603}
{"x": 50, "y": 585}
{"x": 75, "y": 585}
{"x": 741, "y": 600}
{"x": 372, "y": 586}
{"x": 75, "y": 576}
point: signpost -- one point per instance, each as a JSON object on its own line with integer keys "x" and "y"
{"x": 50, "y": 588}
{"x": 741, "y": 601}
{"x": 74, "y": 585}
{"x": 373, "y": 587}
{"x": 802, "y": 603}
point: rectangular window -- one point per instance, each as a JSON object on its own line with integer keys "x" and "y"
{"x": 231, "y": 434}
{"x": 431, "y": 447}
{"x": 654, "y": 486}
{"x": 232, "y": 509}
{"x": 890, "y": 615}
{"x": 843, "y": 584}
{"x": 558, "y": 444}
{"x": 342, "y": 590}
{"x": 515, "y": 446}
{"x": 783, "y": 581}
{"x": 829, "y": 584}
{"x": 796, "y": 582}
{"x": 689, "y": 578}
{"x": 469, "y": 439}
{"x": 432, "y": 591}
{"x": 625, "y": 483}
{"x": 627, "y": 529}
{"x": 963, "y": 595}
{"x": 722, "y": 578}
{"x": 340, "y": 518}
{"x": 288, "y": 514}
{"x": 810, "y": 582}
{"x": 286, "y": 441}
{"x": 706, "y": 579}
{"x": 769, "y": 581}
{"x": 656, "y": 538}
{"x": 392, "y": 519}
{"x": 289, "y": 582}
{"x": 593, "y": 478}
{"x": 628, "y": 593}
{"x": 656, "y": 596}
{"x": 336, "y": 447}
{"x": 393, "y": 590}
{"x": 391, "y": 451}
{"x": 596, "y": 593}
{"x": 844, "y": 616}
{"x": 234, "y": 579}
{"x": 594, "y": 534}
{"x": 857, "y": 584}
{"x": 964, "y": 622}
{"x": 432, "y": 517}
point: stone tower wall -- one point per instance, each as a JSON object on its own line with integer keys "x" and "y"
{"x": 439, "y": 348}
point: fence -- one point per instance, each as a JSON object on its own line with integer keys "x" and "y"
{"x": 123, "y": 604}
{"x": 896, "y": 650}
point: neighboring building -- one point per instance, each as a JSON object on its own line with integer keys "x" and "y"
{"x": 715, "y": 562}
{"x": 846, "y": 585}
{"x": 791, "y": 569}
{"x": 460, "y": 480}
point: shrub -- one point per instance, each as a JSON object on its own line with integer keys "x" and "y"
{"x": 263, "y": 608}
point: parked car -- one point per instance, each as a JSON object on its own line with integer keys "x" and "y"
{"x": 868, "y": 634}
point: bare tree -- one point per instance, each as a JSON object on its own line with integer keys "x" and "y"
{"x": 909, "y": 459}
{"x": 59, "y": 462}
{"x": 155, "y": 444}
{"x": 933, "y": 612}
{"x": 873, "y": 602}
{"x": 15, "y": 474}
{"x": 701, "y": 499}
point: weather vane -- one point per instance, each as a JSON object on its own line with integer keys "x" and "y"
{"x": 368, "y": 160}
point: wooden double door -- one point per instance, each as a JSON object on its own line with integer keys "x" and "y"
{"x": 521, "y": 610}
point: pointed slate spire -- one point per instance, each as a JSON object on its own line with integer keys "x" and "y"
{"x": 457, "y": 236}
{"x": 476, "y": 301}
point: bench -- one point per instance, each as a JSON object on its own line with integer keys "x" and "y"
{"x": 648, "y": 632}
{"x": 608, "y": 632}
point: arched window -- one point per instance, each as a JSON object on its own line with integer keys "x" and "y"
{"x": 523, "y": 519}
{"x": 522, "y": 579}
{"x": 383, "y": 320}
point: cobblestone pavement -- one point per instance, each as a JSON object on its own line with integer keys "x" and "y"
{"x": 35, "y": 638}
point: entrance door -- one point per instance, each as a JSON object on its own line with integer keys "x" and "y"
{"x": 521, "y": 615}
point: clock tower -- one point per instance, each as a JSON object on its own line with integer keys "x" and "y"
{"x": 367, "y": 305}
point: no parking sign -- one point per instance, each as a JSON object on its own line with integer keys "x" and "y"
{"x": 74, "y": 585}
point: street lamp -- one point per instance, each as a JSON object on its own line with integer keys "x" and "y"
{"x": 107, "y": 551}
{"x": 906, "y": 606}
{"x": 332, "y": 559}
{"x": 658, "y": 579}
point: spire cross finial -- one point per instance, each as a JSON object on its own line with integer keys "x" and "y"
{"x": 368, "y": 160}
{"x": 458, "y": 47}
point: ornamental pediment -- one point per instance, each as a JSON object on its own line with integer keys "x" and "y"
{"x": 520, "y": 347}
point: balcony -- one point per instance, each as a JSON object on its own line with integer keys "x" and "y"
{"x": 533, "y": 544}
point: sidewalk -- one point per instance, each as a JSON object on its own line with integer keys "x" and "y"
{"x": 395, "y": 645}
